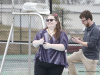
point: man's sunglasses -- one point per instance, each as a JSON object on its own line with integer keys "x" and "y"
{"x": 49, "y": 20}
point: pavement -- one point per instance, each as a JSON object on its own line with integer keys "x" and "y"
{"x": 18, "y": 65}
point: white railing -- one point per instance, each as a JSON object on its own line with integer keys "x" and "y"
{"x": 30, "y": 13}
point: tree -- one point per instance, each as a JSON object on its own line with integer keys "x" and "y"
{"x": 6, "y": 1}
{"x": 67, "y": 2}
{"x": 73, "y": 1}
{"x": 56, "y": 1}
{"x": 89, "y": 1}
{"x": 39, "y": 1}
{"x": 62, "y": 15}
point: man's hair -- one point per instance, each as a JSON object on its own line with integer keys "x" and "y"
{"x": 86, "y": 14}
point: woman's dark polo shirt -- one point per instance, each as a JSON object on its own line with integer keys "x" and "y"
{"x": 92, "y": 36}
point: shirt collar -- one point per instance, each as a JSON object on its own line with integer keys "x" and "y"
{"x": 89, "y": 28}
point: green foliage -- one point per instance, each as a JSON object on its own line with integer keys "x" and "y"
{"x": 56, "y": 1}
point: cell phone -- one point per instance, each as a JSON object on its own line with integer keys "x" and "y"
{"x": 72, "y": 37}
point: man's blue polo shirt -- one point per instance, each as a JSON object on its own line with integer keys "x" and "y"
{"x": 92, "y": 36}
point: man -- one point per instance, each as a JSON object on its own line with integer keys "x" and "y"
{"x": 89, "y": 54}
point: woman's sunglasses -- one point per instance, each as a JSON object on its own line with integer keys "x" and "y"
{"x": 49, "y": 20}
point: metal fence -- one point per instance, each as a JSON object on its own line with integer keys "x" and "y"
{"x": 16, "y": 62}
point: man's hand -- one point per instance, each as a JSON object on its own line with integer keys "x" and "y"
{"x": 80, "y": 38}
{"x": 76, "y": 40}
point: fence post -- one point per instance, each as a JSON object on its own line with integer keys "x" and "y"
{"x": 1, "y": 12}
{"x": 50, "y": 6}
{"x": 20, "y": 34}
{"x": 62, "y": 18}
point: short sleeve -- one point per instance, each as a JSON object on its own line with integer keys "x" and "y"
{"x": 64, "y": 39}
{"x": 38, "y": 36}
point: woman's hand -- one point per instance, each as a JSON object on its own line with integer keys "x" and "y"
{"x": 41, "y": 41}
{"x": 36, "y": 43}
{"x": 46, "y": 45}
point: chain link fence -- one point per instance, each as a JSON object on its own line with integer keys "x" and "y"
{"x": 16, "y": 62}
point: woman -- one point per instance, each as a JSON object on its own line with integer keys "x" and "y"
{"x": 52, "y": 41}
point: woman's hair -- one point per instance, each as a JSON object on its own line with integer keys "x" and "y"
{"x": 58, "y": 26}
{"x": 86, "y": 14}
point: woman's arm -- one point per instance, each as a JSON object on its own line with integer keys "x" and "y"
{"x": 36, "y": 43}
{"x": 59, "y": 47}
